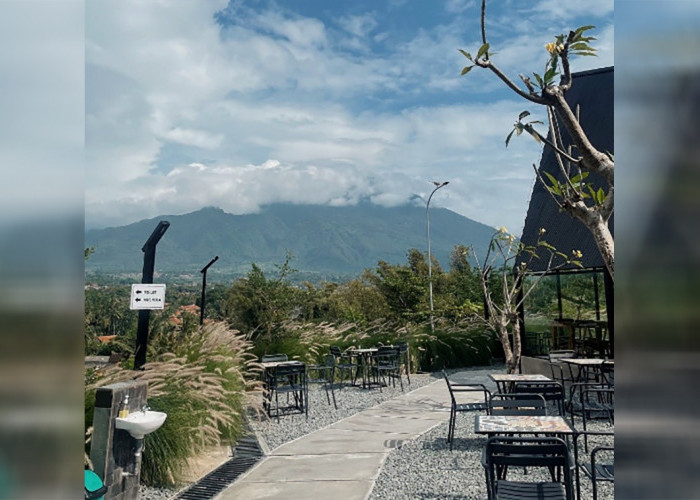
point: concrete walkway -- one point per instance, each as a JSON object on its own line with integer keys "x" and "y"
{"x": 344, "y": 459}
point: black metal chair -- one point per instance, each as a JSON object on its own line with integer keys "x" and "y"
{"x": 456, "y": 407}
{"x": 561, "y": 372}
{"x": 591, "y": 402}
{"x": 405, "y": 359}
{"x": 323, "y": 374}
{"x": 521, "y": 404}
{"x": 289, "y": 380}
{"x": 550, "y": 391}
{"x": 386, "y": 364}
{"x": 552, "y": 453}
{"x": 344, "y": 363}
{"x": 599, "y": 466}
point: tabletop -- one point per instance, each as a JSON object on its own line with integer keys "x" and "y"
{"x": 521, "y": 424}
{"x": 519, "y": 377}
{"x": 587, "y": 361}
{"x": 274, "y": 364}
{"x": 367, "y": 350}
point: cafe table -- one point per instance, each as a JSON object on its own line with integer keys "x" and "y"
{"x": 364, "y": 356}
{"x": 586, "y": 365}
{"x": 505, "y": 382}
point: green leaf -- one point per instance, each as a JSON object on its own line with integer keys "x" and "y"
{"x": 555, "y": 187}
{"x": 550, "y": 74}
{"x": 482, "y": 50}
{"x": 523, "y": 115}
{"x": 584, "y": 28}
{"x": 600, "y": 196}
{"x": 539, "y": 80}
{"x": 580, "y": 46}
{"x": 466, "y": 54}
{"x": 509, "y": 136}
{"x": 466, "y": 70}
{"x": 594, "y": 197}
{"x": 579, "y": 177}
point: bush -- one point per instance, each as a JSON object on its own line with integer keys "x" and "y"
{"x": 203, "y": 384}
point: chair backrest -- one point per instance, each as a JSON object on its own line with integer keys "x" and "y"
{"x": 518, "y": 404}
{"x": 561, "y": 372}
{"x": 295, "y": 373}
{"x": 271, "y": 358}
{"x": 453, "y": 388}
{"x": 550, "y": 452}
{"x": 550, "y": 391}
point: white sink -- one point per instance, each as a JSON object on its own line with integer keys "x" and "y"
{"x": 139, "y": 423}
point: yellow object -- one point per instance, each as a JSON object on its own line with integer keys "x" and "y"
{"x": 124, "y": 408}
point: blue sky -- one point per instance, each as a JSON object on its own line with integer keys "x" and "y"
{"x": 243, "y": 103}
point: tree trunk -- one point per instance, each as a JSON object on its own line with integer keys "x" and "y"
{"x": 599, "y": 229}
{"x": 514, "y": 363}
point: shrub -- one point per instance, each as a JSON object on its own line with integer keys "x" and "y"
{"x": 204, "y": 383}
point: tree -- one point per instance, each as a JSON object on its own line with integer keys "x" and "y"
{"x": 570, "y": 191}
{"x": 500, "y": 268}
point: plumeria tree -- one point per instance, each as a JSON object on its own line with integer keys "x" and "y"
{"x": 570, "y": 189}
{"x": 505, "y": 265}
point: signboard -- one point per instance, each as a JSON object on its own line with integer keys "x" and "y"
{"x": 147, "y": 296}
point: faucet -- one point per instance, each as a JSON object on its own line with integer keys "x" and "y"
{"x": 145, "y": 408}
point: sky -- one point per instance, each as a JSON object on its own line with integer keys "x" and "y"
{"x": 244, "y": 103}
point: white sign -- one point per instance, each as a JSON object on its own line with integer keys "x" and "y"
{"x": 147, "y": 296}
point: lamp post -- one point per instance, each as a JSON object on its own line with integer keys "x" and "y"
{"x": 149, "y": 259}
{"x": 204, "y": 288}
{"x": 438, "y": 185}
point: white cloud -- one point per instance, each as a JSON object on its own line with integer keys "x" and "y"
{"x": 571, "y": 9}
{"x": 181, "y": 114}
{"x": 198, "y": 138}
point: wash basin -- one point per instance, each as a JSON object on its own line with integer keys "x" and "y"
{"x": 139, "y": 423}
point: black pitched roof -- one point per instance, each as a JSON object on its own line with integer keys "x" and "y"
{"x": 593, "y": 92}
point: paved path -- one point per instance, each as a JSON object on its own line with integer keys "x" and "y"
{"x": 344, "y": 459}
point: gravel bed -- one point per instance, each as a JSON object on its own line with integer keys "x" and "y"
{"x": 350, "y": 400}
{"x": 425, "y": 468}
{"x": 148, "y": 493}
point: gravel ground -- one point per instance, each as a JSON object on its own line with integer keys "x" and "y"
{"x": 425, "y": 468}
{"x": 350, "y": 400}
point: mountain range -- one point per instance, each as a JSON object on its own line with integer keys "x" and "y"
{"x": 324, "y": 240}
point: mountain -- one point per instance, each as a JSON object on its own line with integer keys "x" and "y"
{"x": 324, "y": 240}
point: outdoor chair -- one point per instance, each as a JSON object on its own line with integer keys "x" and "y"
{"x": 550, "y": 391}
{"x": 520, "y": 404}
{"x": 561, "y": 372}
{"x": 289, "y": 380}
{"x": 552, "y": 453}
{"x": 607, "y": 374}
{"x": 404, "y": 359}
{"x": 269, "y": 374}
{"x": 323, "y": 374}
{"x": 479, "y": 405}
{"x": 599, "y": 465}
{"x": 385, "y": 364}
{"x": 593, "y": 401}
{"x": 344, "y": 363}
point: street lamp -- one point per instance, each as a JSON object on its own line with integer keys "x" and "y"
{"x": 204, "y": 288}
{"x": 438, "y": 185}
